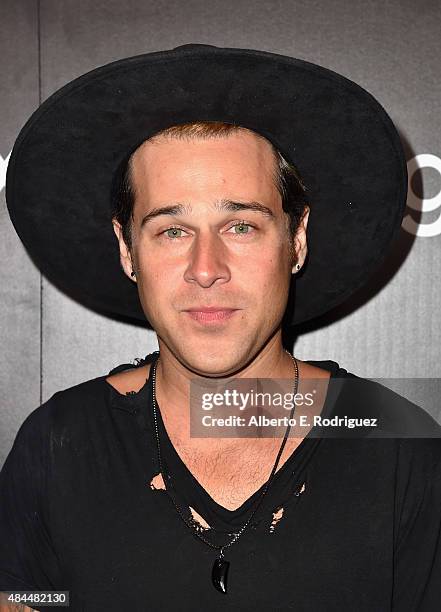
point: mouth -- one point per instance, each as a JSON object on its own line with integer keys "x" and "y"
{"x": 211, "y": 314}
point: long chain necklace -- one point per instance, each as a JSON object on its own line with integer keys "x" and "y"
{"x": 219, "y": 572}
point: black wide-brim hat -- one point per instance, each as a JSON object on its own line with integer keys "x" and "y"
{"x": 61, "y": 172}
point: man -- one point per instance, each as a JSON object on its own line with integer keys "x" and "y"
{"x": 106, "y": 494}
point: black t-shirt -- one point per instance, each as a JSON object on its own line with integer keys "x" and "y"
{"x": 360, "y": 528}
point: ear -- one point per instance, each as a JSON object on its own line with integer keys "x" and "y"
{"x": 300, "y": 245}
{"x": 124, "y": 252}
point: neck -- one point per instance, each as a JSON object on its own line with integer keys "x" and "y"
{"x": 173, "y": 380}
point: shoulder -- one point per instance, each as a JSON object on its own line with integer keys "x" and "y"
{"x": 78, "y": 406}
{"x": 361, "y": 397}
{"x": 397, "y": 415}
{"x": 323, "y": 368}
{"x": 66, "y": 410}
{"x": 129, "y": 377}
{"x": 129, "y": 380}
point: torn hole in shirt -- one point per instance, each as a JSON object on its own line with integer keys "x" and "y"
{"x": 277, "y": 517}
{"x": 157, "y": 483}
{"x": 279, "y": 511}
{"x": 300, "y": 490}
{"x": 199, "y": 523}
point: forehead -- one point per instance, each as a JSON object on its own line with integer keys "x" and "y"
{"x": 241, "y": 163}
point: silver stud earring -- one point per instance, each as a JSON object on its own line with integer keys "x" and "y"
{"x": 133, "y": 273}
{"x": 296, "y": 269}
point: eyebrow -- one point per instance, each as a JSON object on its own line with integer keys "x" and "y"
{"x": 221, "y": 205}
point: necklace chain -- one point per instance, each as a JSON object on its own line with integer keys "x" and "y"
{"x": 237, "y": 534}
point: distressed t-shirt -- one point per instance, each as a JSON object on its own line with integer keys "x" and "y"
{"x": 347, "y": 524}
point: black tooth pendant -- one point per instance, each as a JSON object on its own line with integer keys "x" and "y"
{"x": 219, "y": 574}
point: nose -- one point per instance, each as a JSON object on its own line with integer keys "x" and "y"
{"x": 208, "y": 261}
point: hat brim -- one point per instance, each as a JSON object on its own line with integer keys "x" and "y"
{"x": 61, "y": 172}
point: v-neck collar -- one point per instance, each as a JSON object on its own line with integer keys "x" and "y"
{"x": 141, "y": 405}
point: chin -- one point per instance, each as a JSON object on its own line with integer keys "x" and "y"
{"x": 216, "y": 359}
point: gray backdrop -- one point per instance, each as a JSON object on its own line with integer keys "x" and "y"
{"x": 389, "y": 329}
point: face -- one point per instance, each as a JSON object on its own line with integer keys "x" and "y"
{"x": 210, "y": 247}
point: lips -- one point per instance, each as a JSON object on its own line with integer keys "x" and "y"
{"x": 207, "y": 314}
{"x": 208, "y": 309}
